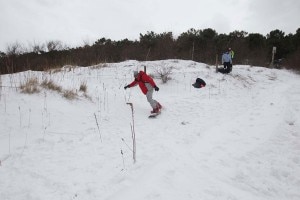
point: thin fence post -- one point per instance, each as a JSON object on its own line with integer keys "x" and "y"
{"x": 133, "y": 133}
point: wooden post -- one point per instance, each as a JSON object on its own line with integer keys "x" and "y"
{"x": 217, "y": 63}
{"x": 273, "y": 55}
{"x": 133, "y": 134}
{"x": 147, "y": 59}
{"x": 148, "y": 53}
{"x": 193, "y": 50}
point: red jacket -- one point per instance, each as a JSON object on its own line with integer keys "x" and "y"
{"x": 141, "y": 79}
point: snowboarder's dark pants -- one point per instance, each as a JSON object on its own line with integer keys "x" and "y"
{"x": 227, "y": 68}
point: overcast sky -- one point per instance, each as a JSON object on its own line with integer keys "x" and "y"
{"x": 77, "y": 21}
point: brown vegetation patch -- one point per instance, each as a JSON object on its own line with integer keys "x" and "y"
{"x": 30, "y": 86}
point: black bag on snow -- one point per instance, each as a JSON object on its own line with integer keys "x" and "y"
{"x": 199, "y": 83}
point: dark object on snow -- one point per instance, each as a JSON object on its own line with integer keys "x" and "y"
{"x": 199, "y": 83}
{"x": 226, "y": 70}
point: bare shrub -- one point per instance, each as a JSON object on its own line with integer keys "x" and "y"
{"x": 164, "y": 73}
{"x": 54, "y": 45}
{"x": 30, "y": 86}
{"x": 15, "y": 49}
{"x": 37, "y": 48}
{"x": 49, "y": 84}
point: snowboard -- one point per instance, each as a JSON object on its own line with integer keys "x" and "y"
{"x": 154, "y": 115}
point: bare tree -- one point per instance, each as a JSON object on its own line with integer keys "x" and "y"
{"x": 15, "y": 49}
{"x": 37, "y": 48}
{"x": 86, "y": 42}
{"x": 2, "y": 54}
{"x": 54, "y": 45}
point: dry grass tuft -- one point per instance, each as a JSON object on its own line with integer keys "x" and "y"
{"x": 69, "y": 94}
{"x": 99, "y": 66}
{"x": 56, "y": 70}
{"x": 83, "y": 87}
{"x": 49, "y": 84}
{"x": 30, "y": 86}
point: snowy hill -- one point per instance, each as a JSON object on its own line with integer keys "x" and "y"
{"x": 237, "y": 138}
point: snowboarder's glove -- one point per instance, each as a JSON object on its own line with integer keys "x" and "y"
{"x": 127, "y": 86}
{"x": 156, "y": 88}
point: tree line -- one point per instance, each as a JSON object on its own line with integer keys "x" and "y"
{"x": 199, "y": 45}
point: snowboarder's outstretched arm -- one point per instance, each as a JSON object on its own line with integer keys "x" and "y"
{"x": 132, "y": 84}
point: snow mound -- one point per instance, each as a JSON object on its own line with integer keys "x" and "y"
{"x": 237, "y": 138}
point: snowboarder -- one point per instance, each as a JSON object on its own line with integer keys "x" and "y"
{"x": 227, "y": 63}
{"x": 147, "y": 85}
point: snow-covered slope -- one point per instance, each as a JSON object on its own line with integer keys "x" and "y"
{"x": 237, "y": 138}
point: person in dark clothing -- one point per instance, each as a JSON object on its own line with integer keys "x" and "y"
{"x": 227, "y": 63}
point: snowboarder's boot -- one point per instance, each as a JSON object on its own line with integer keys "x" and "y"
{"x": 159, "y": 106}
{"x": 155, "y": 110}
